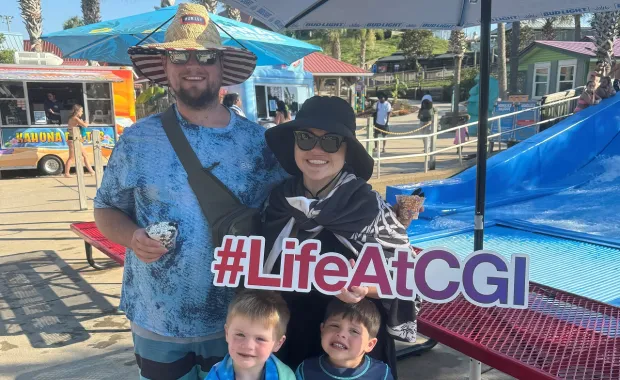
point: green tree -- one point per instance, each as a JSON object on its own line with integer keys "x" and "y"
{"x": 577, "y": 19}
{"x": 73, "y": 22}
{"x": 604, "y": 28}
{"x": 416, "y": 44}
{"x": 6, "y": 56}
{"x": 233, "y": 13}
{"x": 211, "y": 5}
{"x": 501, "y": 47}
{"x": 367, "y": 39}
{"x": 31, "y": 13}
{"x": 91, "y": 12}
{"x": 331, "y": 42}
{"x": 457, "y": 47}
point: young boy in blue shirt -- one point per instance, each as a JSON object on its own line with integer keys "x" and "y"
{"x": 348, "y": 333}
{"x": 255, "y": 328}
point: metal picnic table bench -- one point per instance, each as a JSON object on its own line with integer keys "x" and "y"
{"x": 559, "y": 336}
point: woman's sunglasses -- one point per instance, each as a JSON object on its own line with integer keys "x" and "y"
{"x": 329, "y": 142}
{"x": 204, "y": 58}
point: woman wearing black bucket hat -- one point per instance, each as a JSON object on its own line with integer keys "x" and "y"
{"x": 328, "y": 199}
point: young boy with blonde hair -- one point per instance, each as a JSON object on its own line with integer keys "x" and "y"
{"x": 255, "y": 328}
{"x": 348, "y": 334}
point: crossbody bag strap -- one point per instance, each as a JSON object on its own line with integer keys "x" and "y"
{"x": 215, "y": 199}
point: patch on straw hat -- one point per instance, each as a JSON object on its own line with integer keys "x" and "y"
{"x": 192, "y": 29}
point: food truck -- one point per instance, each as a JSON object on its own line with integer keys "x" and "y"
{"x": 31, "y": 139}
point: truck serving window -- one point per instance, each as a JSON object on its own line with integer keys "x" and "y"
{"x": 99, "y": 101}
{"x": 12, "y": 104}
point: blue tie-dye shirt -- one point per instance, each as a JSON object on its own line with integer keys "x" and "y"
{"x": 175, "y": 296}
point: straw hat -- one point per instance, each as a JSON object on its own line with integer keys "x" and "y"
{"x": 192, "y": 29}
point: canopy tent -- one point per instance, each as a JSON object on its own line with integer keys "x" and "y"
{"x": 417, "y": 14}
{"x": 108, "y": 41}
{"x": 407, "y": 14}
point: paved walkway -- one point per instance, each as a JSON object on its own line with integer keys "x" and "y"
{"x": 59, "y": 317}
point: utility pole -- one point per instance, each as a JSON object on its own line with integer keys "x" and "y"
{"x": 7, "y": 20}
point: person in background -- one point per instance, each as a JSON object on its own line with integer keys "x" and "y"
{"x": 605, "y": 89}
{"x": 425, "y": 115}
{"x": 282, "y": 113}
{"x": 588, "y": 97}
{"x": 52, "y": 109}
{"x": 427, "y": 96}
{"x": 75, "y": 120}
{"x": 233, "y": 101}
{"x": 383, "y": 110}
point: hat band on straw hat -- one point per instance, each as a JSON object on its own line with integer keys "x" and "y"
{"x": 192, "y": 29}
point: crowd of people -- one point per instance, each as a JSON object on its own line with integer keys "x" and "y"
{"x": 306, "y": 178}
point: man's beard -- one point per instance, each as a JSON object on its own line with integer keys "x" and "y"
{"x": 209, "y": 96}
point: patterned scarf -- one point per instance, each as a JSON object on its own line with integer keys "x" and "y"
{"x": 356, "y": 215}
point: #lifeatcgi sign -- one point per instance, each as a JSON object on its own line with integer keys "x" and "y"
{"x": 437, "y": 275}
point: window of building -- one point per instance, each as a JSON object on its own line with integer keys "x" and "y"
{"x": 99, "y": 103}
{"x": 540, "y": 86}
{"x": 566, "y": 74}
{"x": 12, "y": 104}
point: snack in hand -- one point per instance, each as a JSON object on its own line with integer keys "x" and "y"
{"x": 164, "y": 232}
{"x": 409, "y": 206}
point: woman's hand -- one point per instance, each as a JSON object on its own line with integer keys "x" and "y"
{"x": 355, "y": 294}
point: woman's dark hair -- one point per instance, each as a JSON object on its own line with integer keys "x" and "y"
{"x": 281, "y": 106}
{"x": 230, "y": 99}
{"x": 427, "y": 104}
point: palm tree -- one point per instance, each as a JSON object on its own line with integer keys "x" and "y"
{"x": 164, "y": 4}
{"x": 577, "y": 18}
{"x": 367, "y": 40}
{"x": 233, "y": 13}
{"x": 501, "y": 46}
{"x": 515, "y": 35}
{"x": 211, "y": 5}
{"x": 331, "y": 38}
{"x": 31, "y": 13}
{"x": 73, "y": 22}
{"x": 604, "y": 27}
{"x": 90, "y": 11}
{"x": 548, "y": 32}
{"x": 457, "y": 47}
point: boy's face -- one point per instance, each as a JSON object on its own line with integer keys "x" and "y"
{"x": 345, "y": 341}
{"x": 250, "y": 343}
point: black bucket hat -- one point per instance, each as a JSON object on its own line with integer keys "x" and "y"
{"x": 328, "y": 113}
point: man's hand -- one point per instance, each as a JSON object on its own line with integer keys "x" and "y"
{"x": 148, "y": 250}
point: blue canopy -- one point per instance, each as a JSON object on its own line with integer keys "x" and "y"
{"x": 108, "y": 41}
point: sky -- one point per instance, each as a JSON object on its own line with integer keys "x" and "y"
{"x": 54, "y": 15}
{"x": 55, "y": 12}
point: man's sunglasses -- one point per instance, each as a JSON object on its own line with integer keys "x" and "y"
{"x": 205, "y": 58}
{"x": 329, "y": 142}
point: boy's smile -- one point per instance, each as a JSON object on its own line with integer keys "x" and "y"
{"x": 345, "y": 341}
{"x": 250, "y": 343}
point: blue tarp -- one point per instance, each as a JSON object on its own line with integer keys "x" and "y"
{"x": 108, "y": 41}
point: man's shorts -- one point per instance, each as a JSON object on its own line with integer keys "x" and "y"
{"x": 168, "y": 360}
{"x": 385, "y": 128}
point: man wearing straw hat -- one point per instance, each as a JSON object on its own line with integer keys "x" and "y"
{"x": 177, "y": 316}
